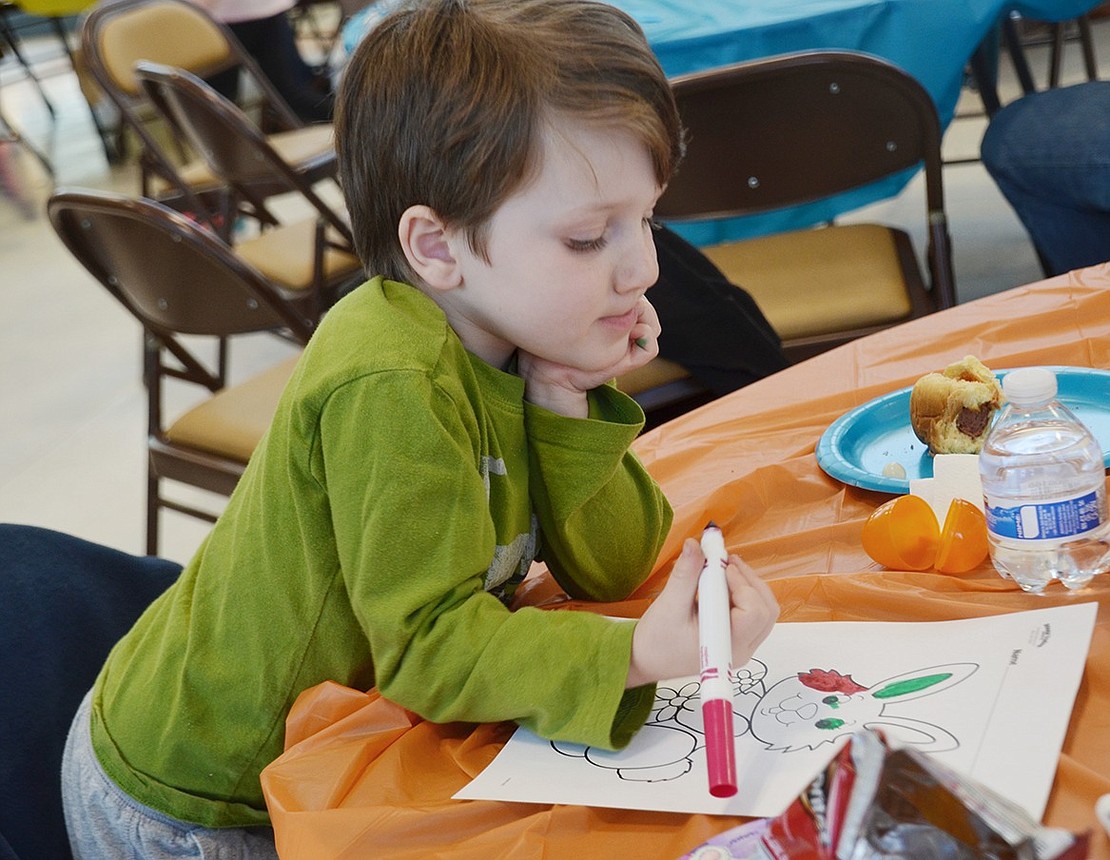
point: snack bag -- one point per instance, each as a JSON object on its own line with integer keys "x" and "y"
{"x": 872, "y": 802}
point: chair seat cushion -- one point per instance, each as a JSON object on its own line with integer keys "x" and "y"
{"x": 233, "y": 421}
{"x": 195, "y": 174}
{"x": 656, "y": 372}
{"x": 308, "y": 148}
{"x": 285, "y": 255}
{"x": 810, "y": 282}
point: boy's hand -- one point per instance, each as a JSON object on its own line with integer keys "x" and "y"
{"x": 665, "y": 644}
{"x": 562, "y": 388}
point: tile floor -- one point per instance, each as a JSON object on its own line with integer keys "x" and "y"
{"x": 72, "y": 407}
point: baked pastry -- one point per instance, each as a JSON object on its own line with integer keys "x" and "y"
{"x": 951, "y": 411}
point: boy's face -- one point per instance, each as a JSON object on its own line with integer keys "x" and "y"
{"x": 570, "y": 256}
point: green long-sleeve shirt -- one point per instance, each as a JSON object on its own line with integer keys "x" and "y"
{"x": 397, "y": 500}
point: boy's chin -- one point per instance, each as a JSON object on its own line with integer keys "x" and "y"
{"x": 592, "y": 361}
{"x": 600, "y": 366}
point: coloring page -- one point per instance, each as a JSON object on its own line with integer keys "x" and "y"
{"x": 990, "y": 697}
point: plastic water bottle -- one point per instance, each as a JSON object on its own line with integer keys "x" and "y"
{"x": 1044, "y": 488}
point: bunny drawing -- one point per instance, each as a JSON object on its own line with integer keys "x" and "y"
{"x": 821, "y": 706}
{"x": 800, "y": 712}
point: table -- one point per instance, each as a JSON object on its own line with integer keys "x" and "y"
{"x": 363, "y": 778}
{"x": 930, "y": 39}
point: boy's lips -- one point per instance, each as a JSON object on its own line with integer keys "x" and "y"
{"x": 623, "y": 321}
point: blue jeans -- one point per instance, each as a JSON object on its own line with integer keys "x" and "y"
{"x": 1049, "y": 153}
{"x": 104, "y": 823}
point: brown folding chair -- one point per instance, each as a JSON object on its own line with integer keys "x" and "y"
{"x": 313, "y": 257}
{"x": 178, "y": 279}
{"x": 792, "y": 129}
{"x": 663, "y": 389}
{"x": 118, "y": 33}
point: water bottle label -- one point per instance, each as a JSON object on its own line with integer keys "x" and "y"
{"x": 1046, "y": 520}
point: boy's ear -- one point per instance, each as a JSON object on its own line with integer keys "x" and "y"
{"x": 424, "y": 239}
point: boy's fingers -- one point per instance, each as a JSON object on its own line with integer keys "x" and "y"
{"x": 756, "y": 608}
{"x": 648, "y": 316}
{"x": 752, "y": 638}
{"x": 748, "y": 578}
{"x": 683, "y": 581}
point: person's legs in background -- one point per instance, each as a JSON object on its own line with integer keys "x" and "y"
{"x": 1049, "y": 153}
{"x": 272, "y": 43}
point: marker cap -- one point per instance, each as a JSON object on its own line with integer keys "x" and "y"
{"x": 720, "y": 747}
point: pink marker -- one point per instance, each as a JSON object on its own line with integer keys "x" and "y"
{"x": 715, "y": 635}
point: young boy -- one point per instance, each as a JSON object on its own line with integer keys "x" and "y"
{"x": 449, "y": 423}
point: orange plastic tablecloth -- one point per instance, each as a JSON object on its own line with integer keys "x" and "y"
{"x": 362, "y": 778}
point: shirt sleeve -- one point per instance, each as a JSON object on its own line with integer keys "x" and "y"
{"x": 603, "y": 519}
{"x": 414, "y": 536}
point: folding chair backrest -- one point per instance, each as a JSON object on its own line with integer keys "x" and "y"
{"x": 171, "y": 32}
{"x": 234, "y": 148}
{"x": 176, "y": 277}
{"x": 792, "y": 129}
{"x": 213, "y": 124}
{"x": 797, "y": 128}
{"x": 118, "y": 33}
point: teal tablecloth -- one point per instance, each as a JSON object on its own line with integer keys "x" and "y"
{"x": 931, "y": 39}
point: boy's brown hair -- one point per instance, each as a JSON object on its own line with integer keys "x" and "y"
{"x": 443, "y": 104}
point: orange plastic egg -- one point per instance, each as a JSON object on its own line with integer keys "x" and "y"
{"x": 963, "y": 540}
{"x": 902, "y": 534}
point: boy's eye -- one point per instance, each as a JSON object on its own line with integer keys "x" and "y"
{"x": 587, "y": 245}
{"x": 583, "y": 245}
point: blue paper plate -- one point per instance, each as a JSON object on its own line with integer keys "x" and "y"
{"x": 860, "y": 444}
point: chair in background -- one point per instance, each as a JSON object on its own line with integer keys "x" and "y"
{"x": 12, "y": 181}
{"x": 714, "y": 337}
{"x": 664, "y": 390}
{"x": 311, "y": 256}
{"x": 1057, "y": 33}
{"x": 177, "y": 279}
{"x": 59, "y": 15}
{"x": 1016, "y": 33}
{"x": 792, "y": 129}
{"x": 9, "y": 36}
{"x": 119, "y": 33}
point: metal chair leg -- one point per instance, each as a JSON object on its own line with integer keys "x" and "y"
{"x": 11, "y": 38}
{"x": 9, "y": 134}
{"x": 1017, "y": 54}
{"x": 1087, "y": 42}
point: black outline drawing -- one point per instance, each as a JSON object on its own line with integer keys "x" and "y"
{"x": 802, "y": 711}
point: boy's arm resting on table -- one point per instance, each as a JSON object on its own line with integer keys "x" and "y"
{"x": 603, "y": 519}
{"x": 415, "y": 537}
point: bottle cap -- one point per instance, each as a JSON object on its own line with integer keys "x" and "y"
{"x": 1029, "y": 385}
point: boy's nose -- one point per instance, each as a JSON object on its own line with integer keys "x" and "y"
{"x": 640, "y": 267}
